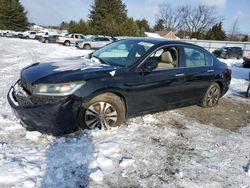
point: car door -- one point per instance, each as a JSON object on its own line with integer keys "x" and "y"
{"x": 199, "y": 72}
{"x": 94, "y": 42}
{"x": 158, "y": 84}
{"x": 76, "y": 37}
{"x": 101, "y": 42}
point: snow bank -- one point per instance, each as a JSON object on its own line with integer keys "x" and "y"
{"x": 240, "y": 75}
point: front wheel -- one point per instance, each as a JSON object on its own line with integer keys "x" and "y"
{"x": 67, "y": 43}
{"x": 103, "y": 111}
{"x": 212, "y": 96}
{"x": 87, "y": 47}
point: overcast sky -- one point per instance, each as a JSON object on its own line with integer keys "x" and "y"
{"x": 53, "y": 12}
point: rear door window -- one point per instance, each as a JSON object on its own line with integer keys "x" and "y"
{"x": 104, "y": 39}
{"x": 197, "y": 58}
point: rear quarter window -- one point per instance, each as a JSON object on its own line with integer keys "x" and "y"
{"x": 197, "y": 58}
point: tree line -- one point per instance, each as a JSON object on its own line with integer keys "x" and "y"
{"x": 109, "y": 17}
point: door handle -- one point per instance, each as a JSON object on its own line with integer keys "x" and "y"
{"x": 179, "y": 75}
{"x": 211, "y": 70}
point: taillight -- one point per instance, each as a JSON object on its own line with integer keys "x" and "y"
{"x": 229, "y": 72}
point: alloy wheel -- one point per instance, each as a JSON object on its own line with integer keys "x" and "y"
{"x": 102, "y": 115}
{"x": 213, "y": 96}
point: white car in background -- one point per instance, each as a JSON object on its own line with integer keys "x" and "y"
{"x": 69, "y": 39}
{"x": 28, "y": 35}
{"x": 93, "y": 42}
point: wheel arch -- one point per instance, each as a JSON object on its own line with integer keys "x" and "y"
{"x": 221, "y": 86}
{"x": 67, "y": 41}
{"x": 117, "y": 92}
{"x": 87, "y": 44}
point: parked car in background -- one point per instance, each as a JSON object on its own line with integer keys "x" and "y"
{"x": 229, "y": 52}
{"x": 49, "y": 39}
{"x": 69, "y": 39}
{"x": 28, "y": 35}
{"x": 93, "y": 42}
{"x": 39, "y": 35}
{"x": 124, "y": 79}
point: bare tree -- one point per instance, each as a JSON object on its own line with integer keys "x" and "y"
{"x": 198, "y": 19}
{"x": 234, "y": 29}
{"x": 170, "y": 16}
{"x": 194, "y": 21}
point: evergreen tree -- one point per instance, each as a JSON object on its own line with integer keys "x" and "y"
{"x": 216, "y": 32}
{"x": 159, "y": 25}
{"x": 12, "y": 15}
{"x": 143, "y": 26}
{"x": 129, "y": 28}
{"x": 109, "y": 17}
{"x": 79, "y": 27}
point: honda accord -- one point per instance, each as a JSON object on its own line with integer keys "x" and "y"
{"x": 124, "y": 79}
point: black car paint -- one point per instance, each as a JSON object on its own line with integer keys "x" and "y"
{"x": 246, "y": 63}
{"x": 143, "y": 91}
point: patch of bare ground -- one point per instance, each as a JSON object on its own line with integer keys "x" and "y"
{"x": 228, "y": 114}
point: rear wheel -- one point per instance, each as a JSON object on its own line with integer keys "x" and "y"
{"x": 86, "y": 47}
{"x": 103, "y": 111}
{"x": 212, "y": 96}
{"x": 67, "y": 43}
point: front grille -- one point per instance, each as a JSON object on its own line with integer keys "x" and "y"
{"x": 46, "y": 99}
{"x": 22, "y": 101}
{"x": 26, "y": 86}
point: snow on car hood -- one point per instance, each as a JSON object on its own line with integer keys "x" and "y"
{"x": 62, "y": 70}
{"x": 71, "y": 64}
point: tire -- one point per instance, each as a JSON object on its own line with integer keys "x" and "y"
{"x": 239, "y": 57}
{"x": 226, "y": 56}
{"x": 66, "y": 43}
{"x": 86, "y": 47}
{"x": 103, "y": 111}
{"x": 212, "y": 96}
{"x": 248, "y": 92}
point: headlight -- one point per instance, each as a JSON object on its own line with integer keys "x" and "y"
{"x": 62, "y": 89}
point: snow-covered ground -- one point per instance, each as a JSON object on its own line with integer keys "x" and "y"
{"x": 161, "y": 150}
{"x": 240, "y": 75}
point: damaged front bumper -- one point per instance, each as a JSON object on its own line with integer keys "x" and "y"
{"x": 52, "y": 115}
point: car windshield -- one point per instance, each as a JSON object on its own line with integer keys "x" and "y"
{"x": 123, "y": 53}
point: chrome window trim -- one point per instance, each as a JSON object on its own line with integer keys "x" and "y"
{"x": 176, "y": 68}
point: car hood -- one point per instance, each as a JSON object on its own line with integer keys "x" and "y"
{"x": 64, "y": 70}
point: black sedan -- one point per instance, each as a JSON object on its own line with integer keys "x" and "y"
{"x": 124, "y": 79}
